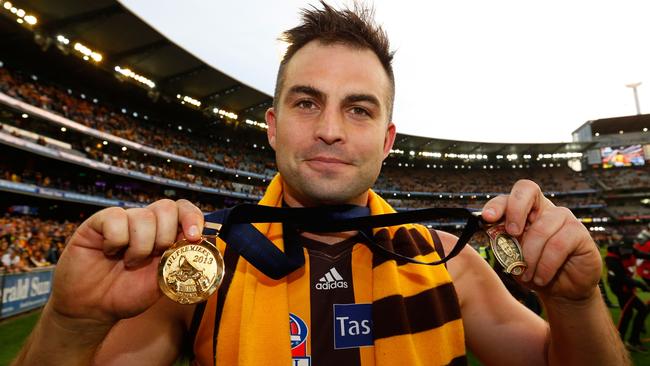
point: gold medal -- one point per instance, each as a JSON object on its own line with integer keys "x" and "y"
{"x": 507, "y": 250}
{"x": 190, "y": 272}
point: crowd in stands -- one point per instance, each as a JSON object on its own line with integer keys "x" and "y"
{"x": 98, "y": 187}
{"x": 623, "y": 178}
{"x": 561, "y": 179}
{"x": 170, "y": 172}
{"x": 630, "y": 212}
{"x": 28, "y": 242}
{"x": 104, "y": 118}
{"x": 472, "y": 202}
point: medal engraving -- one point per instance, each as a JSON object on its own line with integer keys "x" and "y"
{"x": 190, "y": 272}
{"x": 507, "y": 250}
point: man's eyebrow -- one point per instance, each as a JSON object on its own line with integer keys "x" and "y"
{"x": 353, "y": 98}
{"x": 306, "y": 89}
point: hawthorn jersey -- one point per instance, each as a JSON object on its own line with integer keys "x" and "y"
{"x": 346, "y": 306}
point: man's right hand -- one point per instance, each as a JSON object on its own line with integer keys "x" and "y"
{"x": 108, "y": 270}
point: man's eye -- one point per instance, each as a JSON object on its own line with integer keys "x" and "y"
{"x": 305, "y": 104}
{"x": 360, "y": 111}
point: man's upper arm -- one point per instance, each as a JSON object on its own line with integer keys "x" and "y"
{"x": 499, "y": 330}
{"x": 151, "y": 338}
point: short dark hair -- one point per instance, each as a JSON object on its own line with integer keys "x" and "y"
{"x": 351, "y": 27}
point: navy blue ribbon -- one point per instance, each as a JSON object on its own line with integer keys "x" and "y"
{"x": 238, "y": 233}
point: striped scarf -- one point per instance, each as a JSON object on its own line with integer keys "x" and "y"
{"x": 415, "y": 312}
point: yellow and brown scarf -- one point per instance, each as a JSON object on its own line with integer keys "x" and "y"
{"x": 415, "y": 311}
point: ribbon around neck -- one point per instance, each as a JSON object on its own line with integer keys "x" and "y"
{"x": 238, "y": 233}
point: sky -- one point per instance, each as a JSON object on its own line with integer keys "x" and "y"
{"x": 491, "y": 71}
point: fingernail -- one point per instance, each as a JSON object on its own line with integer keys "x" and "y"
{"x": 193, "y": 231}
{"x": 525, "y": 277}
{"x": 538, "y": 281}
{"x": 489, "y": 212}
{"x": 513, "y": 228}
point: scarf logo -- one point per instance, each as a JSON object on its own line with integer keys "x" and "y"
{"x": 352, "y": 325}
{"x": 298, "y": 332}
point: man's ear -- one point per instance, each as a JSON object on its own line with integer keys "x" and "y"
{"x": 271, "y": 120}
{"x": 389, "y": 140}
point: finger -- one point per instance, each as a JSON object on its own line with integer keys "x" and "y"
{"x": 112, "y": 227}
{"x": 191, "y": 219}
{"x": 142, "y": 235}
{"x": 494, "y": 208}
{"x": 166, "y": 212}
{"x": 556, "y": 251}
{"x": 537, "y": 235}
{"x": 524, "y": 197}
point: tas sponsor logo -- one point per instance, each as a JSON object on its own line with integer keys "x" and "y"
{"x": 331, "y": 280}
{"x": 352, "y": 326}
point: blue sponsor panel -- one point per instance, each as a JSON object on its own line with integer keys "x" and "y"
{"x": 352, "y": 325}
{"x": 25, "y": 291}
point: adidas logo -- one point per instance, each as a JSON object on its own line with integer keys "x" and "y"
{"x": 331, "y": 280}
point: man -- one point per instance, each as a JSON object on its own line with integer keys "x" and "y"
{"x": 331, "y": 128}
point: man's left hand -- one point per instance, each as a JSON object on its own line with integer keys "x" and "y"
{"x": 563, "y": 260}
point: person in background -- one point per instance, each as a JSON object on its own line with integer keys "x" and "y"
{"x": 642, "y": 250}
{"x": 620, "y": 261}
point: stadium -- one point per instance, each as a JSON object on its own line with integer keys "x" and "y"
{"x": 92, "y": 118}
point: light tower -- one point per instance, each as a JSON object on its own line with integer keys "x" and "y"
{"x": 636, "y": 95}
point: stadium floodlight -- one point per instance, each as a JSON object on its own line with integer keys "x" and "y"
{"x": 634, "y": 86}
{"x": 135, "y": 76}
{"x": 87, "y": 52}
{"x": 224, "y": 113}
{"x": 189, "y": 100}
{"x": 62, "y": 39}
{"x": 258, "y": 124}
{"x": 31, "y": 20}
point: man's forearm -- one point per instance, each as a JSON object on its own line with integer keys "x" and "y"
{"x": 59, "y": 341}
{"x": 582, "y": 333}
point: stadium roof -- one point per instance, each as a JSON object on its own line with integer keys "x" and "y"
{"x": 125, "y": 40}
{"x": 607, "y": 126}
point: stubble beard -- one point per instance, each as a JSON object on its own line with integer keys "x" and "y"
{"x": 326, "y": 189}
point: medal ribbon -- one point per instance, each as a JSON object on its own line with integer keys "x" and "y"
{"x": 238, "y": 233}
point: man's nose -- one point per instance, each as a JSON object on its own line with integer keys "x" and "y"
{"x": 331, "y": 127}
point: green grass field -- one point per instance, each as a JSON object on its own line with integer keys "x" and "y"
{"x": 14, "y": 331}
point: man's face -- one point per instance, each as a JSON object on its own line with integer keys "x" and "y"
{"x": 331, "y": 130}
